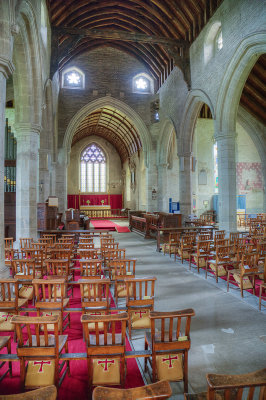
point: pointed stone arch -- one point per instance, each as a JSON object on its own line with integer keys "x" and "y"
{"x": 123, "y": 107}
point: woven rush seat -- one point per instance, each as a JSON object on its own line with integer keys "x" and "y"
{"x": 5, "y": 324}
{"x": 26, "y": 292}
{"x": 220, "y": 267}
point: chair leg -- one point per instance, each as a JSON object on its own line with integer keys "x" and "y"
{"x": 154, "y": 374}
{"x": 90, "y": 382}
{"x": 260, "y": 295}
{"x": 241, "y": 286}
{"x": 10, "y": 362}
{"x": 185, "y": 371}
{"x": 146, "y": 359}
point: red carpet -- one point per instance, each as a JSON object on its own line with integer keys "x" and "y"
{"x": 75, "y": 385}
{"x": 106, "y": 224}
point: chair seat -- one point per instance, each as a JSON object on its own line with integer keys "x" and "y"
{"x": 51, "y": 341}
{"x": 166, "y": 337}
{"x": 55, "y": 304}
{"x": 106, "y": 371}
{"x": 140, "y": 319}
{"x": 40, "y": 373}
{"x": 246, "y": 282}
{"x": 169, "y": 366}
{"x": 26, "y": 292}
{"x": 5, "y": 324}
{"x": 3, "y": 341}
{"x": 221, "y": 270}
{"x": 101, "y": 339}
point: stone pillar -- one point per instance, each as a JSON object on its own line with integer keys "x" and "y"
{"x": 61, "y": 180}
{"x": 44, "y": 177}
{"x": 226, "y": 148}
{"x": 152, "y": 183}
{"x": 27, "y": 179}
{"x": 162, "y": 188}
{"x": 185, "y": 189}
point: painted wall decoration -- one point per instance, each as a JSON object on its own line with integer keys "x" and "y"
{"x": 249, "y": 177}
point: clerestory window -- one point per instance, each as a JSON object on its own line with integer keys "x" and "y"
{"x": 93, "y": 169}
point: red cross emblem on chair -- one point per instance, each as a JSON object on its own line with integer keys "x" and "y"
{"x": 105, "y": 362}
{"x": 41, "y": 364}
{"x": 140, "y": 313}
{"x": 169, "y": 360}
{"x": 6, "y": 316}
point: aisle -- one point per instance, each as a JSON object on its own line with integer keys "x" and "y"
{"x": 227, "y": 334}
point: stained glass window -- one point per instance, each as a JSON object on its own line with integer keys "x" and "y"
{"x": 93, "y": 170}
{"x": 142, "y": 83}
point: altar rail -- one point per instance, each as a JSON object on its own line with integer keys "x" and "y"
{"x": 103, "y": 214}
{"x": 148, "y": 224}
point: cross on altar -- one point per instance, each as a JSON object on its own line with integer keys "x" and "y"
{"x": 88, "y": 202}
{"x": 140, "y": 313}
{"x": 41, "y": 362}
{"x": 170, "y": 360}
{"x": 106, "y": 362}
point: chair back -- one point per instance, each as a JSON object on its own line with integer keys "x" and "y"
{"x": 233, "y": 386}
{"x": 186, "y": 241}
{"x": 140, "y": 292}
{"x": 88, "y": 253}
{"x": 49, "y": 293}
{"x": 122, "y": 268}
{"x": 8, "y": 243}
{"x": 85, "y": 245}
{"x": 90, "y": 267}
{"x": 218, "y": 235}
{"x": 60, "y": 253}
{"x": 222, "y": 253}
{"x": 249, "y": 262}
{"x": 58, "y": 266}
{"x": 23, "y": 269}
{"x": 46, "y": 240}
{"x": 107, "y": 246}
{"x": 203, "y": 247}
{"x": 234, "y": 236}
{"x": 95, "y": 293}
{"x": 173, "y": 329}
{"x": 204, "y": 236}
{"x": 113, "y": 254}
{"x": 50, "y": 236}
{"x": 67, "y": 240}
{"x": 8, "y": 294}
{"x": 39, "y": 344}
{"x": 25, "y": 243}
{"x": 112, "y": 343}
{"x": 105, "y": 241}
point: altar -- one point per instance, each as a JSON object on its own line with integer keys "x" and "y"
{"x": 96, "y": 211}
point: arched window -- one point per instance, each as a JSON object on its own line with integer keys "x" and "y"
{"x": 93, "y": 169}
{"x": 73, "y": 78}
{"x": 213, "y": 41}
{"x": 143, "y": 83}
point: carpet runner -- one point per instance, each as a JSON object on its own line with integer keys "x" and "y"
{"x": 106, "y": 224}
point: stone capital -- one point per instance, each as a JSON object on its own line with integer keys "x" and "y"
{"x": 27, "y": 129}
{"x": 218, "y": 136}
{"x": 6, "y": 67}
{"x": 184, "y": 154}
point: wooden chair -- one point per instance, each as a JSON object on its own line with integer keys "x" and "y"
{"x": 139, "y": 302}
{"x": 105, "y": 352}
{"x": 185, "y": 248}
{"x": 41, "y": 351}
{"x": 219, "y": 265}
{"x": 169, "y": 347}
{"x": 39, "y": 257}
{"x": 202, "y": 237}
{"x": 46, "y": 241}
{"x": 173, "y": 242}
{"x": 10, "y": 303}
{"x": 8, "y": 243}
{"x": 90, "y": 267}
{"x": 59, "y": 268}
{"x": 105, "y": 241}
{"x": 159, "y": 390}
{"x": 112, "y": 254}
{"x": 88, "y": 253}
{"x": 119, "y": 270}
{"x": 51, "y": 297}
{"x": 9, "y": 255}
{"x": 95, "y": 295}
{"x": 50, "y": 236}
{"x": 231, "y": 387}
{"x": 218, "y": 235}
{"x": 5, "y": 342}
{"x": 24, "y": 271}
{"x": 108, "y": 246}
{"x": 85, "y": 246}
{"x": 46, "y": 393}
{"x": 86, "y": 240}
{"x": 25, "y": 243}
{"x": 248, "y": 269}
{"x": 202, "y": 254}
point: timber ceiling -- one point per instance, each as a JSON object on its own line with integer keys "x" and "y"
{"x": 156, "y": 32}
{"x": 115, "y": 127}
{"x": 253, "y": 97}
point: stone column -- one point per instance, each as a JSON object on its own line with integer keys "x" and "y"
{"x": 226, "y": 148}
{"x": 162, "y": 188}
{"x": 152, "y": 183}
{"x": 185, "y": 189}
{"x": 5, "y": 70}
{"x": 44, "y": 177}
{"x": 27, "y": 179}
{"x": 61, "y": 180}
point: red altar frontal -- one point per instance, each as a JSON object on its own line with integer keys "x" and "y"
{"x": 76, "y": 200}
